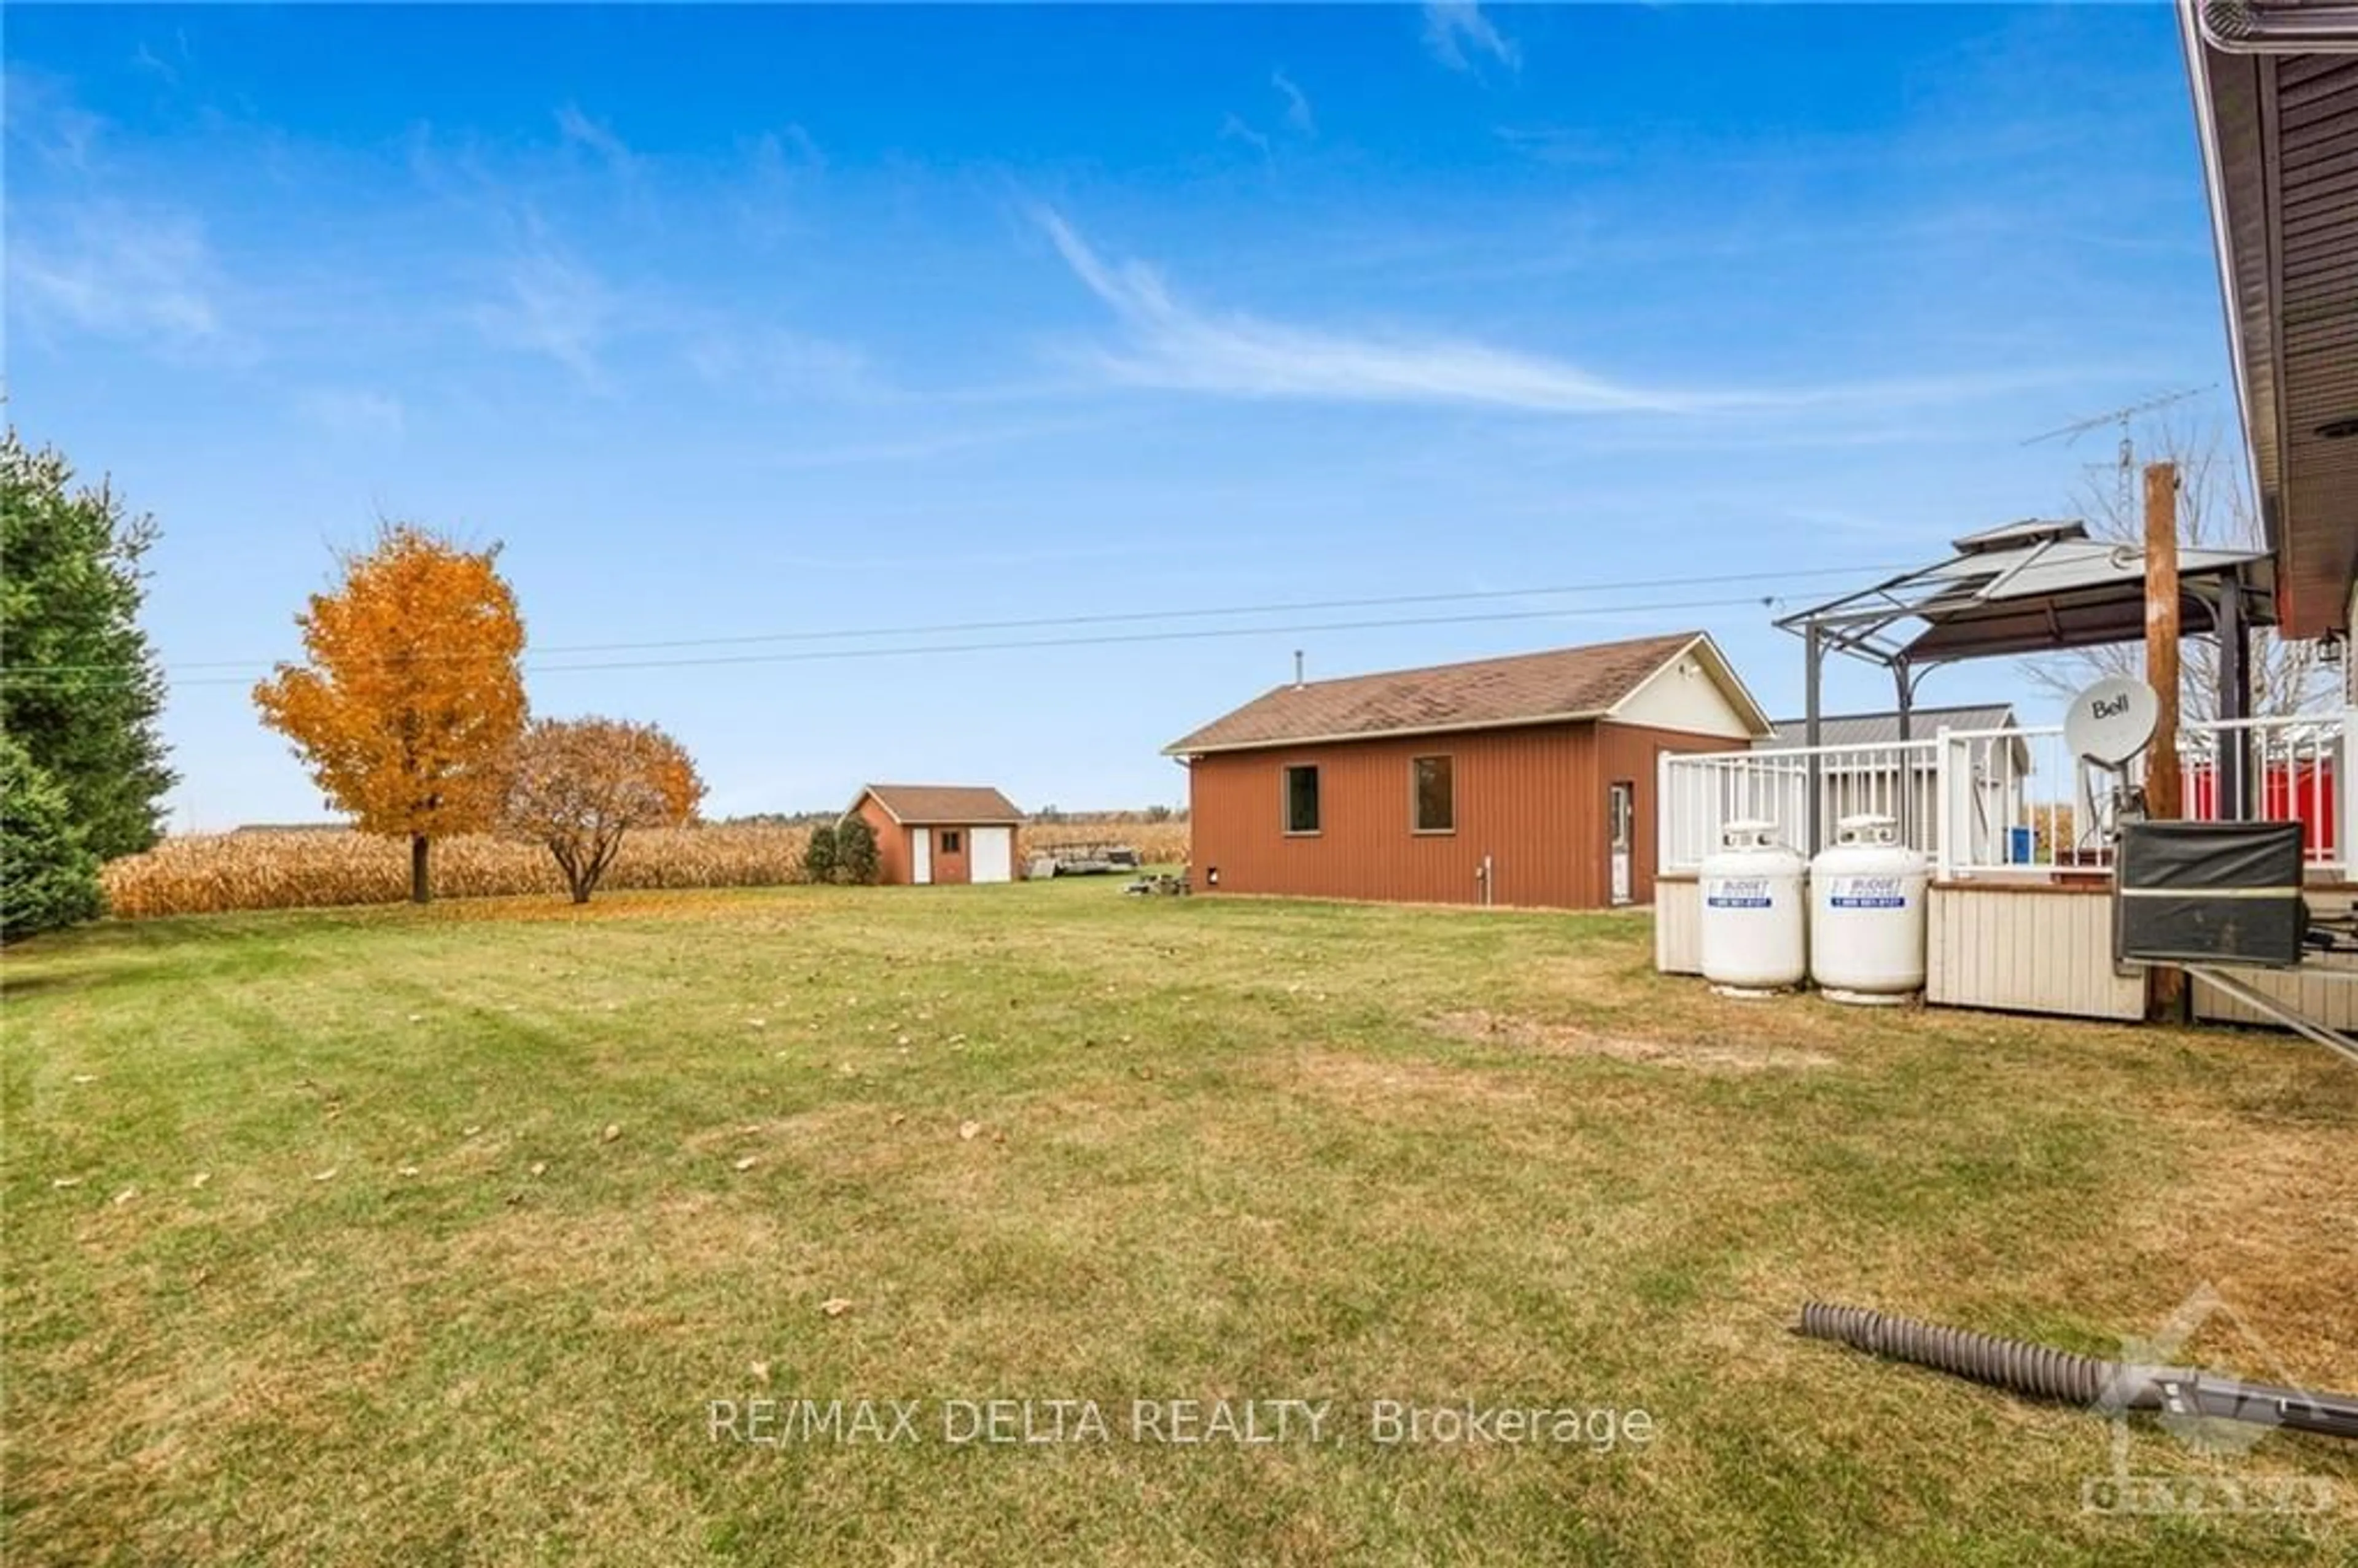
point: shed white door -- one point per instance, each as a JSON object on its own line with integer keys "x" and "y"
{"x": 992, "y": 855}
{"x": 921, "y": 865}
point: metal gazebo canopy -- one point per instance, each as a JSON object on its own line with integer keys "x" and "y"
{"x": 2035, "y": 587}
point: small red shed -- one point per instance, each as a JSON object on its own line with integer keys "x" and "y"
{"x": 940, "y": 833}
{"x": 1528, "y": 780}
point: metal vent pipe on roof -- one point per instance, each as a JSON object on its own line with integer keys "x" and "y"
{"x": 2276, "y": 26}
{"x": 1297, "y": 667}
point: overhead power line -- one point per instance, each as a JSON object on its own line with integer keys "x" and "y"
{"x": 917, "y": 650}
{"x": 1132, "y": 617}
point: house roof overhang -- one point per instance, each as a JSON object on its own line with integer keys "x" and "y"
{"x": 2275, "y": 85}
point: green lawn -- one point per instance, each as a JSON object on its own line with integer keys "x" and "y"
{"x": 384, "y": 1237}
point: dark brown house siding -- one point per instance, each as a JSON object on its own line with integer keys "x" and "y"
{"x": 1532, "y": 799}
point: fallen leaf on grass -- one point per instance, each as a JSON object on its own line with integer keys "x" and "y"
{"x": 66, "y": 1181}
{"x": 469, "y": 1131}
{"x": 744, "y": 1164}
{"x": 540, "y": 1167}
{"x": 613, "y": 1130}
{"x": 85, "y": 1077}
{"x": 896, "y": 1118}
{"x": 836, "y": 1306}
{"x": 200, "y": 1178}
{"x": 967, "y": 1129}
{"x": 323, "y": 1175}
{"x": 409, "y": 1170}
{"x": 125, "y": 1195}
{"x": 760, "y": 1371}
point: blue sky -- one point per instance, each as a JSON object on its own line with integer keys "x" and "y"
{"x": 739, "y": 322}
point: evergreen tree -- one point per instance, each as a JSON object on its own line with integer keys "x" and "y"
{"x": 855, "y": 851}
{"x": 79, "y": 686}
{"x": 48, "y": 878}
{"x": 818, "y": 854}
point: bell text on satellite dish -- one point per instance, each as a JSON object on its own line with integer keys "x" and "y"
{"x": 2111, "y": 721}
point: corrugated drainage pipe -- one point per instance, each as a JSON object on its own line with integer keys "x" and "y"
{"x": 2043, "y": 1372}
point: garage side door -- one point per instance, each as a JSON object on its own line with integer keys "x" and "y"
{"x": 994, "y": 855}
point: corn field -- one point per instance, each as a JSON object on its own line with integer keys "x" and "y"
{"x": 215, "y": 873}
{"x": 211, "y": 873}
{"x": 1157, "y": 843}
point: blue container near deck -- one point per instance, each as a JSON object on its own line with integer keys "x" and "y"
{"x": 2018, "y": 849}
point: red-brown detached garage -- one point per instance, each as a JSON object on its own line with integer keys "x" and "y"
{"x": 1527, "y": 780}
{"x": 940, "y": 833}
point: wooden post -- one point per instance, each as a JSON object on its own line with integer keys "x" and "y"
{"x": 2164, "y": 799}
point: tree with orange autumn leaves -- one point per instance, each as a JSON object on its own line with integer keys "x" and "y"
{"x": 411, "y": 698}
{"x": 578, "y": 785}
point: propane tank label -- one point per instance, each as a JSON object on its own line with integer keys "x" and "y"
{"x": 1868, "y": 892}
{"x": 1739, "y": 892}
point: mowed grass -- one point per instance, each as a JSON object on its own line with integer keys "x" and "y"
{"x": 1052, "y": 1142}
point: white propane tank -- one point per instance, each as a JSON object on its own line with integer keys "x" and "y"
{"x": 1866, "y": 913}
{"x": 1754, "y": 924}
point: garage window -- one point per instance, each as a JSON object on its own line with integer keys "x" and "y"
{"x": 950, "y": 840}
{"x": 1433, "y": 796}
{"x": 1302, "y": 799}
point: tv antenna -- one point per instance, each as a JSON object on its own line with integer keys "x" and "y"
{"x": 2126, "y": 465}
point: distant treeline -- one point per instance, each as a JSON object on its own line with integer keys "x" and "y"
{"x": 1046, "y": 815}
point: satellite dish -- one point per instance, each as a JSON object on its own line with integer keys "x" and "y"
{"x": 2111, "y": 721}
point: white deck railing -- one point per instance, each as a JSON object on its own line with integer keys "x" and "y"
{"x": 1986, "y": 801}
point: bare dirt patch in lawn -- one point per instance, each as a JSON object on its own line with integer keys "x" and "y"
{"x": 1482, "y": 1027}
{"x": 1376, "y": 1078}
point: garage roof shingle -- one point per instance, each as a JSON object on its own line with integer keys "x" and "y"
{"x": 1525, "y": 689}
{"x": 952, "y": 805}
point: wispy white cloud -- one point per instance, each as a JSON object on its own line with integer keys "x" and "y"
{"x": 1453, "y": 28}
{"x": 780, "y": 165}
{"x": 43, "y": 118}
{"x": 1560, "y": 144}
{"x": 1234, "y": 129}
{"x": 779, "y": 362}
{"x": 787, "y": 152}
{"x": 139, "y": 273}
{"x": 548, "y": 304}
{"x": 353, "y": 413}
{"x": 1169, "y": 345}
{"x": 579, "y": 130}
{"x": 1297, "y": 104}
{"x": 147, "y": 60}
